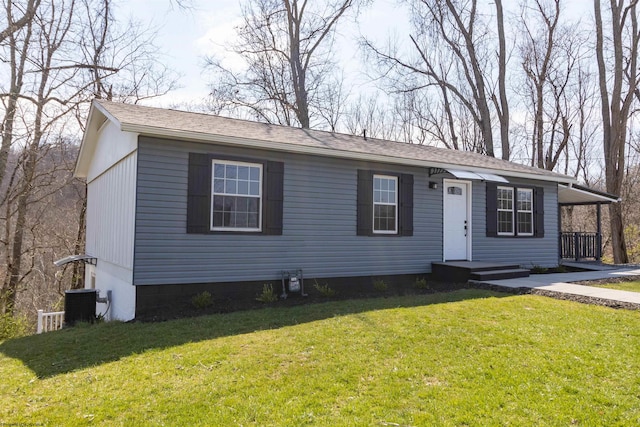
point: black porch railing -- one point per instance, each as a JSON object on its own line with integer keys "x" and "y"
{"x": 578, "y": 245}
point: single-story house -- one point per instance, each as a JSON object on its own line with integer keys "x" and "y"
{"x": 181, "y": 202}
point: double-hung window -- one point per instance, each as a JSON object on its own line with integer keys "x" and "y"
{"x": 512, "y": 211}
{"x": 525, "y": 212}
{"x": 385, "y": 204}
{"x": 505, "y": 211}
{"x": 236, "y": 196}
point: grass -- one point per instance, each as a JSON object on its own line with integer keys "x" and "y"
{"x": 469, "y": 357}
{"x": 621, "y": 286}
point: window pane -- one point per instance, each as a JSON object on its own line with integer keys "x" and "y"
{"x": 217, "y": 219}
{"x": 456, "y": 191}
{"x": 253, "y": 220}
{"x": 254, "y": 174}
{"x": 218, "y": 203}
{"x": 241, "y": 220}
{"x": 232, "y": 171}
{"x": 525, "y": 223}
{"x": 218, "y": 170}
{"x": 505, "y": 222}
{"x": 243, "y": 187}
{"x": 253, "y": 205}
{"x": 230, "y": 187}
{"x": 229, "y": 204}
{"x": 254, "y": 188}
{"x": 218, "y": 186}
{"x": 241, "y": 204}
{"x": 243, "y": 172}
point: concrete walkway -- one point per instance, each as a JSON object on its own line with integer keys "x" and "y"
{"x": 561, "y": 283}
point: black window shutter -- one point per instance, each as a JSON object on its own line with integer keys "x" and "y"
{"x": 406, "y": 205}
{"x": 492, "y": 209}
{"x": 365, "y": 203}
{"x": 273, "y": 198}
{"x": 199, "y": 193}
{"x": 538, "y": 212}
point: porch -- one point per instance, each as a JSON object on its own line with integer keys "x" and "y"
{"x": 581, "y": 245}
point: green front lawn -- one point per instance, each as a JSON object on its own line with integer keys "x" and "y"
{"x": 463, "y": 358}
{"x": 621, "y": 286}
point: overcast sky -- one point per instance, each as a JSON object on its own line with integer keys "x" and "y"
{"x": 187, "y": 36}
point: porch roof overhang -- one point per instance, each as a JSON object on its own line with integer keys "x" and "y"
{"x": 574, "y": 194}
{"x": 472, "y": 175}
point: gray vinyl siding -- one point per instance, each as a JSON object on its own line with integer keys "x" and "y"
{"x": 319, "y": 223}
{"x": 525, "y": 251}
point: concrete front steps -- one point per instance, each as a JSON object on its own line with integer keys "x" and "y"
{"x": 463, "y": 271}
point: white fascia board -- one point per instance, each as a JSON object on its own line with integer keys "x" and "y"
{"x": 325, "y": 152}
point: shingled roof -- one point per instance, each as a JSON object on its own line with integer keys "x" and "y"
{"x": 207, "y": 128}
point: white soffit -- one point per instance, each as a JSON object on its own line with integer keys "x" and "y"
{"x": 476, "y": 175}
{"x": 570, "y": 195}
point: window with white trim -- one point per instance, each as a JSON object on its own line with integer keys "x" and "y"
{"x": 515, "y": 216}
{"x": 525, "y": 211}
{"x": 505, "y": 211}
{"x": 236, "y": 196}
{"x": 385, "y": 204}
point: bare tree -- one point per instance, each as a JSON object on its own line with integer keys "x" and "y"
{"x": 557, "y": 88}
{"x": 617, "y": 58}
{"x": 502, "y": 106}
{"x": 70, "y": 52}
{"x": 287, "y": 48}
{"x": 14, "y": 24}
{"x": 19, "y": 41}
{"x": 537, "y": 52}
{"x": 452, "y": 60}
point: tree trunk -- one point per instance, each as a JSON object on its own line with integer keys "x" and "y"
{"x": 77, "y": 276}
{"x": 503, "y": 110}
{"x": 615, "y": 107}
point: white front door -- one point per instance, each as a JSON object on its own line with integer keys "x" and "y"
{"x": 457, "y": 224}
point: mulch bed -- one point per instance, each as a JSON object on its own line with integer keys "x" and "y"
{"x": 228, "y": 305}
